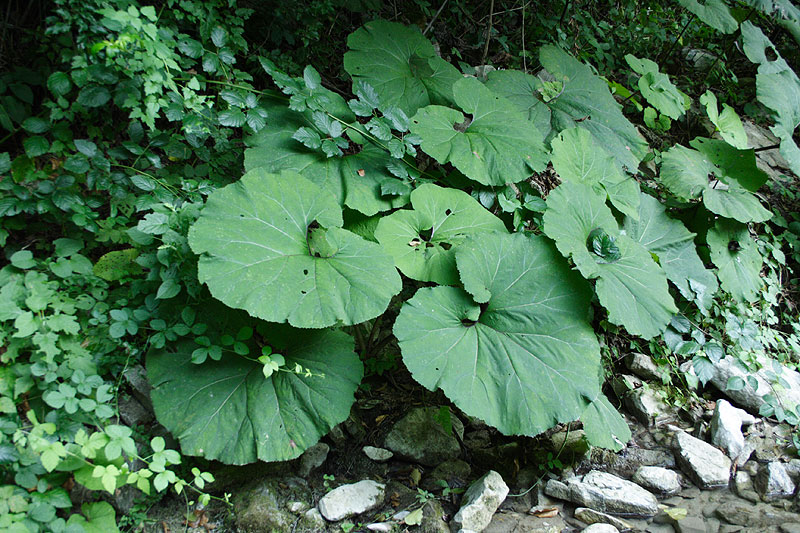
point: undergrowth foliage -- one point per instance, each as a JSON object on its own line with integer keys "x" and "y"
{"x": 489, "y": 228}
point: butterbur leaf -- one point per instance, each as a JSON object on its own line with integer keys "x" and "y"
{"x": 727, "y": 122}
{"x": 713, "y": 12}
{"x": 238, "y": 415}
{"x": 673, "y": 244}
{"x": 529, "y": 345}
{"x": 354, "y": 180}
{"x": 493, "y": 146}
{"x": 738, "y": 166}
{"x": 273, "y": 245}
{"x": 737, "y": 259}
{"x": 521, "y": 89}
{"x": 657, "y": 89}
{"x": 584, "y": 100}
{"x": 603, "y": 246}
{"x": 400, "y": 64}
{"x": 633, "y": 288}
{"x": 423, "y": 241}
{"x": 604, "y": 426}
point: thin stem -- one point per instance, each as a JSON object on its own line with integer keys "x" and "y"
{"x": 765, "y": 148}
{"x": 436, "y": 16}
{"x": 664, "y": 56}
{"x": 488, "y": 33}
{"x": 372, "y": 332}
{"x": 524, "y": 54}
{"x": 563, "y": 13}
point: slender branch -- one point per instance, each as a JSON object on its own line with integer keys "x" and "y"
{"x": 524, "y": 54}
{"x": 488, "y": 33}
{"x": 436, "y": 16}
{"x": 664, "y": 56}
{"x": 765, "y": 148}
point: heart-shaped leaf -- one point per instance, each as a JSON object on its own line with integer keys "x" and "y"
{"x": 529, "y": 345}
{"x": 737, "y": 258}
{"x": 493, "y": 146}
{"x": 423, "y": 241}
{"x": 273, "y": 245}
{"x": 632, "y": 288}
{"x": 228, "y": 410}
{"x": 657, "y": 89}
{"x": 727, "y": 122}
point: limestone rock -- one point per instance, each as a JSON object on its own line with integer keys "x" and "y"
{"x": 455, "y": 473}
{"x": 140, "y": 386}
{"x": 657, "y": 479}
{"x": 691, "y": 524}
{"x": 313, "y": 458}
{"x": 726, "y": 429}
{"x": 481, "y": 501}
{"x": 748, "y": 397}
{"x": 590, "y": 516}
{"x": 312, "y": 520}
{"x": 706, "y": 465}
{"x": 646, "y": 405}
{"x": 350, "y": 500}
{"x": 773, "y": 482}
{"x": 379, "y": 455}
{"x": 261, "y": 507}
{"x": 511, "y": 522}
{"x": 754, "y": 516}
{"x": 643, "y": 366}
{"x": 420, "y": 437}
{"x": 743, "y": 484}
{"x": 605, "y": 493}
{"x": 625, "y": 463}
{"x": 601, "y": 528}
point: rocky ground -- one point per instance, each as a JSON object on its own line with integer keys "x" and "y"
{"x": 403, "y": 462}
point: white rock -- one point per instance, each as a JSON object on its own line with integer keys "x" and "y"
{"x": 748, "y": 397}
{"x": 480, "y": 502}
{"x": 646, "y": 405}
{"x": 601, "y": 528}
{"x": 400, "y": 516}
{"x": 313, "y": 518}
{"x": 349, "y": 500}
{"x": 726, "y": 429}
{"x": 773, "y": 482}
{"x": 643, "y": 366}
{"x": 657, "y": 479}
{"x": 706, "y": 465}
{"x": 606, "y": 493}
{"x": 380, "y": 526}
{"x": 379, "y": 455}
{"x": 590, "y": 516}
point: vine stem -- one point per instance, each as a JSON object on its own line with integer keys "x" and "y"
{"x": 436, "y": 16}
{"x": 677, "y": 39}
{"x": 488, "y": 33}
{"x": 765, "y": 148}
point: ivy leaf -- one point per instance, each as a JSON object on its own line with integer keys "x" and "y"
{"x": 529, "y": 345}
{"x": 657, "y": 89}
{"x": 778, "y": 88}
{"x": 727, "y": 123}
{"x": 634, "y": 288}
{"x": 713, "y": 12}
{"x": 604, "y": 426}
{"x": 273, "y": 245}
{"x": 494, "y": 146}
{"x": 737, "y": 258}
{"x": 423, "y": 241}
{"x": 354, "y": 180}
{"x": 400, "y": 64}
{"x": 239, "y": 416}
{"x": 673, "y": 244}
{"x": 584, "y": 101}
{"x": 576, "y": 157}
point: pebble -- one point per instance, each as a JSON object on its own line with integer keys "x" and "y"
{"x": 349, "y": 500}
{"x": 480, "y": 502}
{"x": 657, "y": 479}
{"x": 379, "y": 455}
{"x": 601, "y": 528}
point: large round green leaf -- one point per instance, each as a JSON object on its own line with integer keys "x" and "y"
{"x": 714, "y": 13}
{"x": 228, "y": 410}
{"x": 423, "y": 241}
{"x": 576, "y": 157}
{"x": 778, "y": 88}
{"x": 630, "y": 285}
{"x": 585, "y": 101}
{"x": 673, "y": 244}
{"x": 523, "y": 361}
{"x": 400, "y": 64}
{"x": 738, "y": 166}
{"x": 354, "y": 180}
{"x": 737, "y": 258}
{"x": 494, "y": 146}
{"x": 273, "y": 245}
{"x": 521, "y": 89}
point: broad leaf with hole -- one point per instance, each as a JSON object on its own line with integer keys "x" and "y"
{"x": 273, "y": 245}
{"x": 728, "y": 123}
{"x": 518, "y": 336}
{"x": 423, "y": 241}
{"x": 737, "y": 166}
{"x": 604, "y": 426}
{"x": 227, "y": 410}
{"x": 494, "y": 145}
{"x": 713, "y": 12}
{"x": 401, "y": 65}
{"x": 586, "y": 101}
{"x": 686, "y": 173}
{"x": 737, "y": 258}
{"x": 778, "y": 88}
{"x": 355, "y": 180}
{"x": 577, "y": 157}
{"x": 633, "y": 288}
{"x": 670, "y": 241}
{"x": 657, "y": 89}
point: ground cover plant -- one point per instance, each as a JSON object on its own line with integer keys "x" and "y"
{"x": 257, "y": 233}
